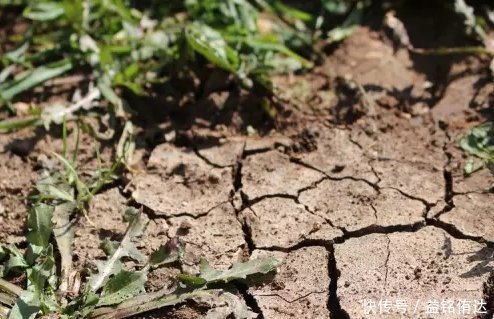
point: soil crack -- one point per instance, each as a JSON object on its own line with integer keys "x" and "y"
{"x": 376, "y": 229}
{"x": 375, "y": 211}
{"x": 237, "y": 175}
{"x": 333, "y": 303}
{"x": 302, "y": 163}
{"x": 293, "y": 300}
{"x": 247, "y": 202}
{"x": 249, "y": 299}
{"x": 207, "y": 161}
{"x": 454, "y": 232}
{"x": 427, "y": 204}
{"x": 301, "y": 244}
{"x": 386, "y": 265}
{"x": 247, "y": 232}
{"x": 152, "y": 214}
{"x": 334, "y": 306}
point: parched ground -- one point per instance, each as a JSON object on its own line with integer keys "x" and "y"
{"x": 362, "y": 196}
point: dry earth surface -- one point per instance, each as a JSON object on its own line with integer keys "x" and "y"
{"x": 363, "y": 198}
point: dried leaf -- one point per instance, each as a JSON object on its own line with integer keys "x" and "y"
{"x": 226, "y": 305}
{"x": 64, "y": 236}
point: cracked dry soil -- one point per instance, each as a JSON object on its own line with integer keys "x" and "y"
{"x": 369, "y": 209}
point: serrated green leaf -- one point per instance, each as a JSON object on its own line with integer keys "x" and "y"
{"x": 43, "y": 273}
{"x": 43, "y": 281}
{"x": 32, "y": 78}
{"x": 238, "y": 270}
{"x": 39, "y": 225}
{"x": 135, "y": 254}
{"x": 137, "y": 224}
{"x": 122, "y": 286}
{"x": 26, "y": 306}
{"x": 16, "y": 260}
{"x": 147, "y": 302}
{"x": 137, "y": 221}
{"x": 32, "y": 253}
{"x": 166, "y": 254}
{"x": 108, "y": 246}
{"x": 51, "y": 187}
{"x": 102, "y": 266}
{"x": 479, "y": 141}
{"x": 81, "y": 306}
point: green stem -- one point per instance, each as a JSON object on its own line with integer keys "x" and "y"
{"x": 103, "y": 180}
{"x": 456, "y": 50}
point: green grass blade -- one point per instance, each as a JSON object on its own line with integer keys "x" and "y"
{"x": 210, "y": 43}
{"x": 17, "y": 124}
{"x": 80, "y": 186}
{"x": 37, "y": 76}
{"x": 263, "y": 44}
{"x": 44, "y": 11}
